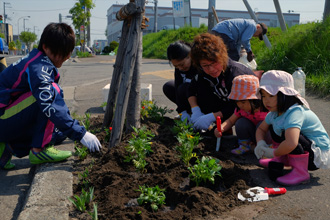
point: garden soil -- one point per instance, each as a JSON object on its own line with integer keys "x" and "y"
{"x": 116, "y": 182}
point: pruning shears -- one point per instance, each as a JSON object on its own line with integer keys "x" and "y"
{"x": 219, "y": 129}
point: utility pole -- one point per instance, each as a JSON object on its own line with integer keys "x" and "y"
{"x": 326, "y": 12}
{"x": 211, "y": 16}
{"x": 254, "y": 17}
{"x": 280, "y": 15}
{"x": 156, "y": 15}
{"x": 88, "y": 30}
{"x": 60, "y": 18}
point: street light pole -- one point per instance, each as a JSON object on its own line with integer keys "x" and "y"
{"x": 18, "y": 23}
{"x": 24, "y": 23}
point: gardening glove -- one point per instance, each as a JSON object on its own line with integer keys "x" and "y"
{"x": 184, "y": 116}
{"x": 262, "y": 150}
{"x": 250, "y": 56}
{"x": 91, "y": 142}
{"x": 196, "y": 114}
{"x": 204, "y": 122}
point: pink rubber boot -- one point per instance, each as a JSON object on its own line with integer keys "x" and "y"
{"x": 299, "y": 173}
{"x": 281, "y": 159}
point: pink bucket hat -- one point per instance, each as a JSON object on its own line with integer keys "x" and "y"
{"x": 274, "y": 81}
{"x": 244, "y": 87}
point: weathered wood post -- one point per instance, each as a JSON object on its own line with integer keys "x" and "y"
{"x": 129, "y": 57}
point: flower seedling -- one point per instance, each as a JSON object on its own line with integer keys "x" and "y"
{"x": 81, "y": 201}
{"x": 205, "y": 170}
{"x": 107, "y": 134}
{"x": 149, "y": 109}
{"x": 87, "y": 122}
{"x": 151, "y": 195}
{"x": 139, "y": 146}
{"x": 187, "y": 142}
{"x": 94, "y": 213}
{"x": 181, "y": 126}
{"x": 81, "y": 152}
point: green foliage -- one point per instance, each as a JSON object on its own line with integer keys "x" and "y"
{"x": 28, "y": 38}
{"x": 106, "y": 50}
{"x": 113, "y": 45}
{"x": 80, "y": 15}
{"x": 149, "y": 109}
{"x": 2, "y": 35}
{"x": 87, "y": 121}
{"x": 138, "y": 148}
{"x": 18, "y": 44}
{"x": 151, "y": 195}
{"x": 83, "y": 54}
{"x": 155, "y": 44}
{"x": 94, "y": 213}
{"x": 83, "y": 177}
{"x": 84, "y": 199}
{"x": 182, "y": 126}
{"x": 12, "y": 45}
{"x": 205, "y": 170}
{"x": 81, "y": 152}
{"x": 107, "y": 134}
{"x": 188, "y": 140}
{"x": 304, "y": 45}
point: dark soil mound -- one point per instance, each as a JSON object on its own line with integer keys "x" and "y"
{"x": 115, "y": 181}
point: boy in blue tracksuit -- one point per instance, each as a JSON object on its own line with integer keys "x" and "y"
{"x": 31, "y": 102}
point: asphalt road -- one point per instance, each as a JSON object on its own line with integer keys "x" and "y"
{"x": 82, "y": 81}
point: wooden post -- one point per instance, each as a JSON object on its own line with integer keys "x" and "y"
{"x": 215, "y": 14}
{"x": 326, "y": 11}
{"x": 130, "y": 56}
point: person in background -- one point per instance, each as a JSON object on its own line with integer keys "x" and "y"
{"x": 208, "y": 95}
{"x": 238, "y": 32}
{"x": 247, "y": 116}
{"x": 32, "y": 104}
{"x": 303, "y": 142}
{"x": 177, "y": 90}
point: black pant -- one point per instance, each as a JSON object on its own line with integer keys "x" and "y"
{"x": 304, "y": 144}
{"x": 231, "y": 45}
{"x": 180, "y": 98}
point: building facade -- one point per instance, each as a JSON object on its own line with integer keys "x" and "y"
{"x": 165, "y": 19}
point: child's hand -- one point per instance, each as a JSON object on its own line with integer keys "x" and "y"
{"x": 217, "y": 133}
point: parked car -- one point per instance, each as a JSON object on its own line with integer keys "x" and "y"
{"x": 3, "y": 47}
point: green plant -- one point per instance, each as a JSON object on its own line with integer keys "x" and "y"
{"x": 84, "y": 199}
{"x": 87, "y": 122}
{"x": 94, "y": 213}
{"x": 151, "y": 195}
{"x": 149, "y": 109}
{"x": 12, "y": 45}
{"x": 205, "y": 170}
{"x": 181, "y": 126}
{"x": 107, "y": 134}
{"x": 139, "y": 146}
{"x": 81, "y": 152}
{"x": 83, "y": 177}
{"x": 113, "y": 45}
{"x": 187, "y": 142}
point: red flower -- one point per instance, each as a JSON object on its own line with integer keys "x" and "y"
{"x": 110, "y": 129}
{"x": 143, "y": 107}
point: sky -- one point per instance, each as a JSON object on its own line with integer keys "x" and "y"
{"x": 42, "y": 12}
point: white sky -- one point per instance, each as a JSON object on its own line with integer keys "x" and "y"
{"x": 42, "y": 12}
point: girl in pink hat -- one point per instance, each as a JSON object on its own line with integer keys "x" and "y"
{"x": 303, "y": 142}
{"x": 248, "y": 114}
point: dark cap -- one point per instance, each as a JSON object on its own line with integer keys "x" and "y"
{"x": 264, "y": 30}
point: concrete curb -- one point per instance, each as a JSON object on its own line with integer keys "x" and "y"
{"x": 51, "y": 186}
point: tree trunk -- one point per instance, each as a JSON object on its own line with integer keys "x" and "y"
{"x": 130, "y": 55}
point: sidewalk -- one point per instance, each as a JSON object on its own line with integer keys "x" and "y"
{"x": 52, "y": 183}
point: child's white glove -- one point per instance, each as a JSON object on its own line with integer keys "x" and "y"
{"x": 196, "y": 114}
{"x": 204, "y": 122}
{"x": 262, "y": 150}
{"x": 184, "y": 116}
{"x": 91, "y": 142}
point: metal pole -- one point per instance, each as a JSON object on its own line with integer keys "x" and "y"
{"x": 210, "y": 15}
{"x": 156, "y": 15}
{"x": 190, "y": 19}
{"x": 280, "y": 15}
{"x": 256, "y": 20}
{"x": 88, "y": 30}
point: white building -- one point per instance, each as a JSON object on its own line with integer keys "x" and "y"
{"x": 199, "y": 16}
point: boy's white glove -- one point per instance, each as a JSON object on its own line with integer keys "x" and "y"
{"x": 184, "y": 116}
{"x": 196, "y": 114}
{"x": 91, "y": 142}
{"x": 262, "y": 150}
{"x": 204, "y": 122}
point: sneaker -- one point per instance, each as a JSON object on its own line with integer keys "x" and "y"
{"x": 49, "y": 155}
{"x": 242, "y": 149}
{"x": 5, "y": 155}
{"x": 9, "y": 165}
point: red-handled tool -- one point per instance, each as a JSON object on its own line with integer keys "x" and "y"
{"x": 258, "y": 193}
{"x": 219, "y": 129}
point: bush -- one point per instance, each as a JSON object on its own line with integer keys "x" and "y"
{"x": 113, "y": 45}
